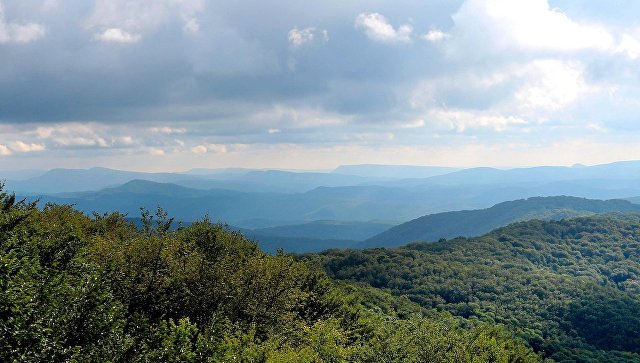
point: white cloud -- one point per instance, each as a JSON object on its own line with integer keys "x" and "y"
{"x": 116, "y": 35}
{"x": 378, "y": 28}
{"x": 126, "y": 20}
{"x": 273, "y": 131}
{"x": 435, "y": 36}
{"x": 374, "y": 136}
{"x": 74, "y": 134}
{"x": 534, "y": 91}
{"x": 156, "y": 151}
{"x": 460, "y": 120}
{"x": 286, "y": 117}
{"x": 168, "y": 130}
{"x": 19, "y": 33}
{"x": 299, "y": 37}
{"x": 500, "y": 25}
{"x": 124, "y": 140}
{"x": 200, "y": 149}
{"x": 23, "y": 147}
{"x": 4, "y": 150}
{"x": 551, "y": 84}
{"x": 209, "y": 148}
{"x": 416, "y": 124}
{"x": 629, "y": 46}
{"x": 72, "y": 141}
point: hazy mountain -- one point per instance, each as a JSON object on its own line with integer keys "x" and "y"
{"x": 75, "y": 180}
{"x": 217, "y": 172}
{"x": 328, "y": 229}
{"x": 393, "y": 171}
{"x": 601, "y": 181}
{"x": 624, "y": 170}
{"x": 20, "y": 174}
{"x": 367, "y": 203}
{"x": 635, "y": 200}
{"x": 469, "y": 223}
{"x": 272, "y": 244}
{"x": 246, "y": 180}
{"x": 344, "y": 203}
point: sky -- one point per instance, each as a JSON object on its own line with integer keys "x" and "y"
{"x": 177, "y": 84}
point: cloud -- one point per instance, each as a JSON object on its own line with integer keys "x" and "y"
{"x": 19, "y": 33}
{"x": 435, "y": 36}
{"x": 75, "y": 135}
{"x": 460, "y": 121}
{"x": 156, "y": 151}
{"x": 115, "y": 35}
{"x": 23, "y": 147}
{"x": 210, "y": 148}
{"x": 551, "y": 84}
{"x": 416, "y": 124}
{"x": 123, "y": 141}
{"x": 377, "y": 28}
{"x": 297, "y": 118}
{"x": 199, "y": 149}
{"x": 126, "y": 21}
{"x": 534, "y": 91}
{"x": 299, "y": 37}
{"x": 168, "y": 130}
{"x": 527, "y": 26}
{"x": 5, "y": 151}
{"x": 228, "y": 73}
{"x": 629, "y": 46}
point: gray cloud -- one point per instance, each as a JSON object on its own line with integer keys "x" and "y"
{"x": 106, "y": 76}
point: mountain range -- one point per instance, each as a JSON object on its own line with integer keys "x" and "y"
{"x": 344, "y": 207}
{"x": 469, "y": 223}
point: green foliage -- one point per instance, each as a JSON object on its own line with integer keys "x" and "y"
{"x": 76, "y": 288}
{"x": 569, "y": 287}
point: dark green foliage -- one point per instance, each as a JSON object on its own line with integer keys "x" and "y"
{"x": 98, "y": 289}
{"x": 570, "y": 288}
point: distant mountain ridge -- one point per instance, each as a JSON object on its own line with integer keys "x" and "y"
{"x": 469, "y": 223}
{"x": 393, "y": 171}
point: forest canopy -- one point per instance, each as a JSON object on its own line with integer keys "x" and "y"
{"x": 570, "y": 288}
{"x": 79, "y": 288}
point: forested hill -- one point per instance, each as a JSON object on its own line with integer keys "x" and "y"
{"x": 470, "y": 223}
{"x": 571, "y": 288}
{"x": 81, "y": 289}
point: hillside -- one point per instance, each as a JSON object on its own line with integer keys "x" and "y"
{"x": 476, "y": 222}
{"x": 569, "y": 287}
{"x": 80, "y": 289}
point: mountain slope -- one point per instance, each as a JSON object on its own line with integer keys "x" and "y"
{"x": 570, "y": 288}
{"x": 476, "y": 222}
{"x": 81, "y": 289}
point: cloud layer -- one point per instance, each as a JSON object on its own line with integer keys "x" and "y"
{"x": 174, "y": 84}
